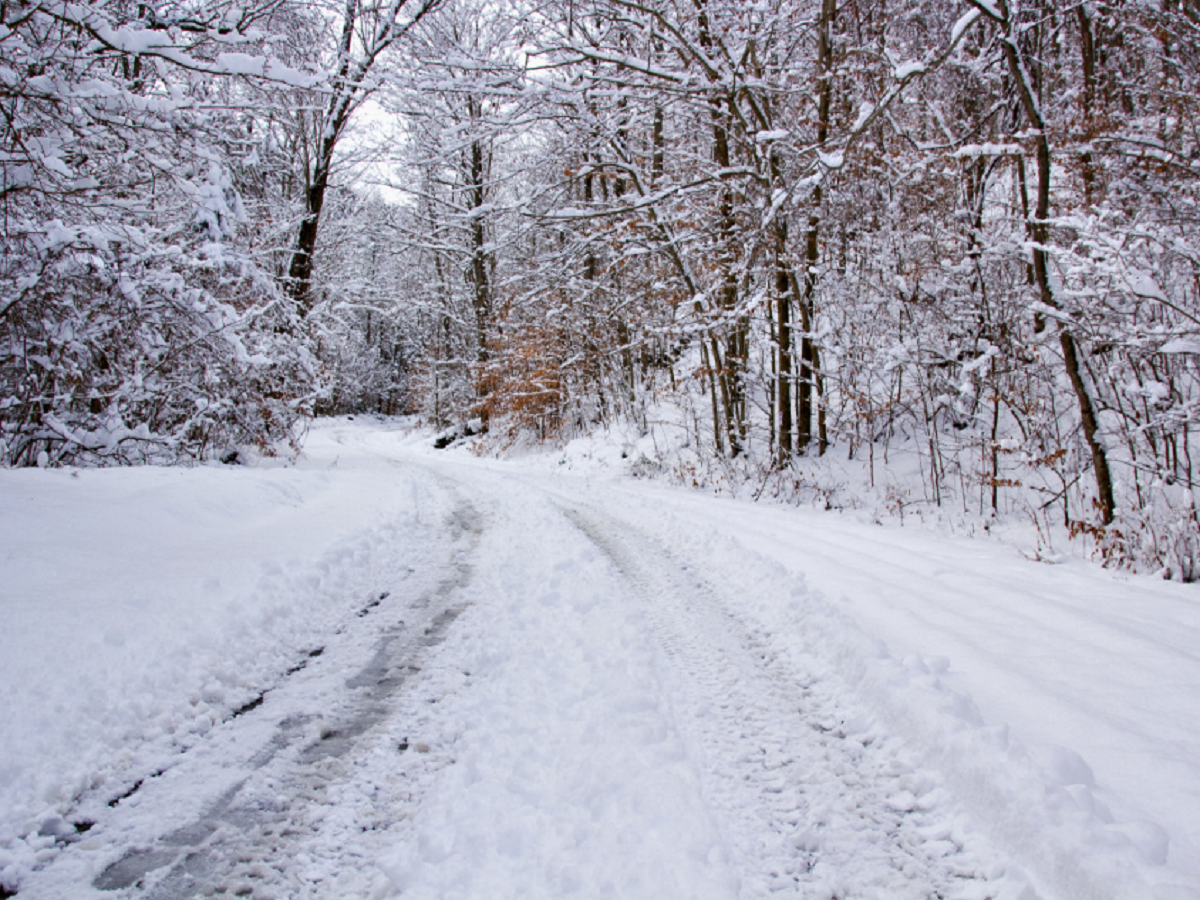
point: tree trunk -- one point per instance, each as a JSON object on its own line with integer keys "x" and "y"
{"x": 299, "y": 283}
{"x": 809, "y": 356}
{"x": 1087, "y": 100}
{"x": 481, "y": 298}
{"x": 783, "y": 307}
{"x": 731, "y": 375}
{"x": 1040, "y": 233}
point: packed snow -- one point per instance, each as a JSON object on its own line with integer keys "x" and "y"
{"x": 391, "y": 671}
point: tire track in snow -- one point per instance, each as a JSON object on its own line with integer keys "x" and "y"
{"x": 811, "y": 802}
{"x": 894, "y": 573}
{"x": 897, "y": 560}
{"x": 272, "y": 773}
{"x": 245, "y": 843}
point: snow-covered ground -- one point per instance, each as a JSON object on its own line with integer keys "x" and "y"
{"x": 389, "y": 671}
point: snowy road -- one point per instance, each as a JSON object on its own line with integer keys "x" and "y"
{"x": 508, "y": 685}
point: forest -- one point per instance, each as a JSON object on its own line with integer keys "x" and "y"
{"x": 960, "y": 233}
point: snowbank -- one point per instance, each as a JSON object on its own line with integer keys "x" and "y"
{"x": 139, "y": 607}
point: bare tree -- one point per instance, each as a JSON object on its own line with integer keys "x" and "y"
{"x": 367, "y": 31}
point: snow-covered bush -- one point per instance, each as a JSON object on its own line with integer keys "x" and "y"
{"x": 116, "y": 353}
{"x": 133, "y": 325}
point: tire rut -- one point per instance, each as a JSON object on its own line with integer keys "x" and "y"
{"x": 241, "y": 845}
{"x": 810, "y": 803}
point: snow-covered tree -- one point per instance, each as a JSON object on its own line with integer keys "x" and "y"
{"x": 133, "y": 324}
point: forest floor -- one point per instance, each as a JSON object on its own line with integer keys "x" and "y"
{"x": 388, "y": 671}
